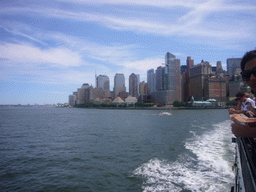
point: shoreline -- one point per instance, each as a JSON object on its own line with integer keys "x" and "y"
{"x": 154, "y": 108}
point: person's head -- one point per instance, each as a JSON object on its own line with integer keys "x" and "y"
{"x": 248, "y": 66}
{"x": 241, "y": 96}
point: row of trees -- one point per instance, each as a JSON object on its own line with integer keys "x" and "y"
{"x": 114, "y": 105}
{"x": 137, "y": 105}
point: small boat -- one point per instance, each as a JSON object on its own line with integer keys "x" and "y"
{"x": 164, "y": 113}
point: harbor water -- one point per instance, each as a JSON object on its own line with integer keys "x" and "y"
{"x": 71, "y": 149}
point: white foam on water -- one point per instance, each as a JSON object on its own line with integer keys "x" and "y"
{"x": 207, "y": 169}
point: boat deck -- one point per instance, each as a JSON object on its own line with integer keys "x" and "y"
{"x": 245, "y": 165}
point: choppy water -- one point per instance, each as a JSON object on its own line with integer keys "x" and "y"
{"x": 57, "y": 149}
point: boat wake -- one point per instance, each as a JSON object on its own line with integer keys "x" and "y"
{"x": 164, "y": 113}
{"x": 207, "y": 168}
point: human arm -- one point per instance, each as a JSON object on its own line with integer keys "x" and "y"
{"x": 246, "y": 130}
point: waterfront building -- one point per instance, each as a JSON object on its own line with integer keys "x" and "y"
{"x": 232, "y": 65}
{"x": 160, "y": 78}
{"x": 82, "y": 94}
{"x": 151, "y": 81}
{"x": 138, "y": 83}
{"x": 173, "y": 77}
{"x": 118, "y": 100}
{"x": 130, "y": 100}
{"x": 183, "y": 68}
{"x": 119, "y": 84}
{"x": 219, "y": 66}
{"x": 168, "y": 81}
{"x": 133, "y": 85}
{"x": 198, "y": 74}
{"x": 216, "y": 88}
{"x": 235, "y": 84}
{"x": 186, "y": 91}
{"x": 143, "y": 88}
{"x": 206, "y": 84}
{"x": 72, "y": 100}
{"x": 123, "y": 95}
{"x": 146, "y": 89}
{"x": 163, "y": 97}
{"x": 102, "y": 81}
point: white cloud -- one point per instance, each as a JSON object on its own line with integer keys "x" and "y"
{"x": 26, "y": 53}
{"x": 153, "y": 3}
{"x": 148, "y": 63}
{"x": 199, "y": 20}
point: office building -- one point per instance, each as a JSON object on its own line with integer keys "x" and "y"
{"x": 198, "y": 74}
{"x": 186, "y": 91}
{"x": 82, "y": 94}
{"x": 151, "y": 81}
{"x": 160, "y": 78}
{"x": 143, "y": 88}
{"x": 102, "y": 81}
{"x": 133, "y": 85}
{"x": 168, "y": 81}
{"x": 173, "y": 77}
{"x": 72, "y": 100}
{"x": 119, "y": 84}
{"x": 232, "y": 65}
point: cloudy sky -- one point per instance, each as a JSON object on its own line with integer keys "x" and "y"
{"x": 48, "y": 49}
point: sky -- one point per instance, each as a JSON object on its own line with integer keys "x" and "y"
{"x": 48, "y": 49}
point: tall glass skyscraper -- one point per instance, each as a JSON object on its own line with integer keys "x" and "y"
{"x": 119, "y": 83}
{"x": 232, "y": 65}
{"x": 102, "y": 81}
{"x": 133, "y": 85}
{"x": 151, "y": 80}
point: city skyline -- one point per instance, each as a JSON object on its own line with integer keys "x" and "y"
{"x": 48, "y": 50}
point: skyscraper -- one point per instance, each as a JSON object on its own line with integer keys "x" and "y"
{"x": 219, "y": 66}
{"x": 133, "y": 85}
{"x": 232, "y": 65}
{"x": 160, "y": 78}
{"x": 82, "y": 94}
{"x": 151, "y": 80}
{"x": 143, "y": 88}
{"x": 173, "y": 78}
{"x": 102, "y": 81}
{"x": 119, "y": 83}
{"x": 198, "y": 75}
{"x": 187, "y": 87}
{"x": 168, "y": 81}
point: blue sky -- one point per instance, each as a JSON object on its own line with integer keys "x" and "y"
{"x": 48, "y": 49}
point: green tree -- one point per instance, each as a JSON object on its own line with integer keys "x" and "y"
{"x": 177, "y": 103}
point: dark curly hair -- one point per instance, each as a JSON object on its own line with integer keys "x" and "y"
{"x": 247, "y": 57}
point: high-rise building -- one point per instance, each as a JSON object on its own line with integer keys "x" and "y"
{"x": 102, "y": 81}
{"x": 168, "y": 81}
{"x": 186, "y": 86}
{"x": 138, "y": 83}
{"x": 198, "y": 74}
{"x": 160, "y": 78}
{"x": 133, "y": 85}
{"x": 219, "y": 66}
{"x": 216, "y": 88}
{"x": 119, "y": 84}
{"x": 232, "y": 65}
{"x": 151, "y": 81}
{"x": 72, "y": 100}
{"x": 173, "y": 78}
{"x": 82, "y": 94}
{"x": 143, "y": 88}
